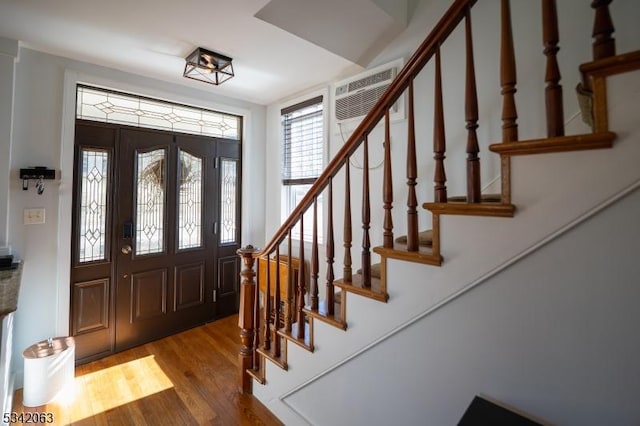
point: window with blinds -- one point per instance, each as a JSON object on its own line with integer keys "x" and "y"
{"x": 302, "y": 159}
{"x": 303, "y": 138}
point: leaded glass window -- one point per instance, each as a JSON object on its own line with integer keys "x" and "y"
{"x": 190, "y": 201}
{"x": 94, "y": 187}
{"x": 228, "y": 200}
{"x": 150, "y": 190}
{"x": 122, "y": 108}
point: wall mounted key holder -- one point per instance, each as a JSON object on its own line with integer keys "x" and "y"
{"x": 39, "y": 174}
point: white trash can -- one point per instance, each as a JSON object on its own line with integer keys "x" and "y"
{"x": 49, "y": 369}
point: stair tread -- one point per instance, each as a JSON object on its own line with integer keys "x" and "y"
{"x": 472, "y": 209}
{"x": 613, "y": 65}
{"x": 485, "y": 198}
{"x": 335, "y": 320}
{"x": 424, "y": 255}
{"x": 279, "y": 361}
{"x": 375, "y": 271}
{"x": 425, "y": 238}
{"x": 377, "y": 291}
{"x": 598, "y": 140}
{"x": 258, "y": 375}
{"x": 306, "y": 342}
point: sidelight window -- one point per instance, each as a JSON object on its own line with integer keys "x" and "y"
{"x": 228, "y": 201}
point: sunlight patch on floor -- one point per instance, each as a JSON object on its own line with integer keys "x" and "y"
{"x": 113, "y": 387}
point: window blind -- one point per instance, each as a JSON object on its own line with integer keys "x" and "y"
{"x": 303, "y": 131}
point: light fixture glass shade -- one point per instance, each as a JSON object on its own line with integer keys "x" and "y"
{"x": 208, "y": 66}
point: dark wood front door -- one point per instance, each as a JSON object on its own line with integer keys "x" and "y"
{"x": 171, "y": 228}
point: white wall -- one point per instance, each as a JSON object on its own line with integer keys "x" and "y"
{"x": 568, "y": 185}
{"x": 555, "y": 335}
{"x": 553, "y": 193}
{"x": 8, "y": 57}
{"x": 43, "y": 135}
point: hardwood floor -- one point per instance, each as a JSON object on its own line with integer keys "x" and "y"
{"x": 186, "y": 379}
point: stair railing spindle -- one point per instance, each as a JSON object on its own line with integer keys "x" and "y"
{"x": 387, "y": 186}
{"x": 471, "y": 115}
{"x": 301, "y": 284}
{"x": 604, "y": 45}
{"x": 347, "y": 269}
{"x": 267, "y": 307}
{"x": 314, "y": 258}
{"x": 290, "y": 289}
{"x": 412, "y": 175}
{"x": 256, "y": 321}
{"x": 553, "y": 91}
{"x": 439, "y": 139}
{"x": 330, "y": 251}
{"x": 366, "y": 217}
{"x": 508, "y": 81}
{"x": 508, "y": 78}
{"x": 276, "y": 307}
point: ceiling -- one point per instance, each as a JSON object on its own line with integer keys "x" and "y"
{"x": 289, "y": 46}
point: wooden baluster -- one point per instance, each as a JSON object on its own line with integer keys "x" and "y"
{"x": 266, "y": 344}
{"x": 301, "y": 284}
{"x": 246, "y": 311}
{"x": 471, "y": 115}
{"x": 347, "y": 270}
{"x": 256, "y": 321}
{"x": 314, "y": 258}
{"x": 412, "y": 175}
{"x": 508, "y": 78}
{"x": 553, "y": 91}
{"x": 366, "y": 218}
{"x": 603, "y": 44}
{"x": 276, "y": 307}
{"x": 439, "y": 140}
{"x": 508, "y": 82}
{"x": 387, "y": 186}
{"x": 290, "y": 289}
{"x": 330, "y": 251}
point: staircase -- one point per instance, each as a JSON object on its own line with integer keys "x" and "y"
{"x": 298, "y": 294}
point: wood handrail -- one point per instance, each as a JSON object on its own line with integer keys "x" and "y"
{"x": 414, "y": 65}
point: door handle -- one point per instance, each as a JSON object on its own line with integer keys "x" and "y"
{"x": 126, "y": 249}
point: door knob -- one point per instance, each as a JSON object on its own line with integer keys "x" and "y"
{"x": 126, "y": 249}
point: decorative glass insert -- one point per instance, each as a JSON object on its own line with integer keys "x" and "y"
{"x": 114, "y": 107}
{"x": 94, "y": 187}
{"x": 228, "y": 200}
{"x": 190, "y": 201}
{"x": 150, "y": 201}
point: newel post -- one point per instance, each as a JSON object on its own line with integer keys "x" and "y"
{"x": 245, "y": 316}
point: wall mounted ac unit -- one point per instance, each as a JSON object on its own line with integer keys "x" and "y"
{"x": 355, "y": 97}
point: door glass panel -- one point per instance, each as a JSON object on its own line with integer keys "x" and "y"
{"x": 228, "y": 200}
{"x": 93, "y": 205}
{"x": 190, "y": 201}
{"x": 150, "y": 189}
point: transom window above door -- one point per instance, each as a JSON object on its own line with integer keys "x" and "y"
{"x": 122, "y": 108}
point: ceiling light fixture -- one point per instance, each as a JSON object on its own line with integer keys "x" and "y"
{"x": 208, "y": 66}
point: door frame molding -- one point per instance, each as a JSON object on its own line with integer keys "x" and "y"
{"x": 65, "y": 200}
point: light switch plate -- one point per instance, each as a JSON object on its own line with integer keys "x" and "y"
{"x": 33, "y": 216}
